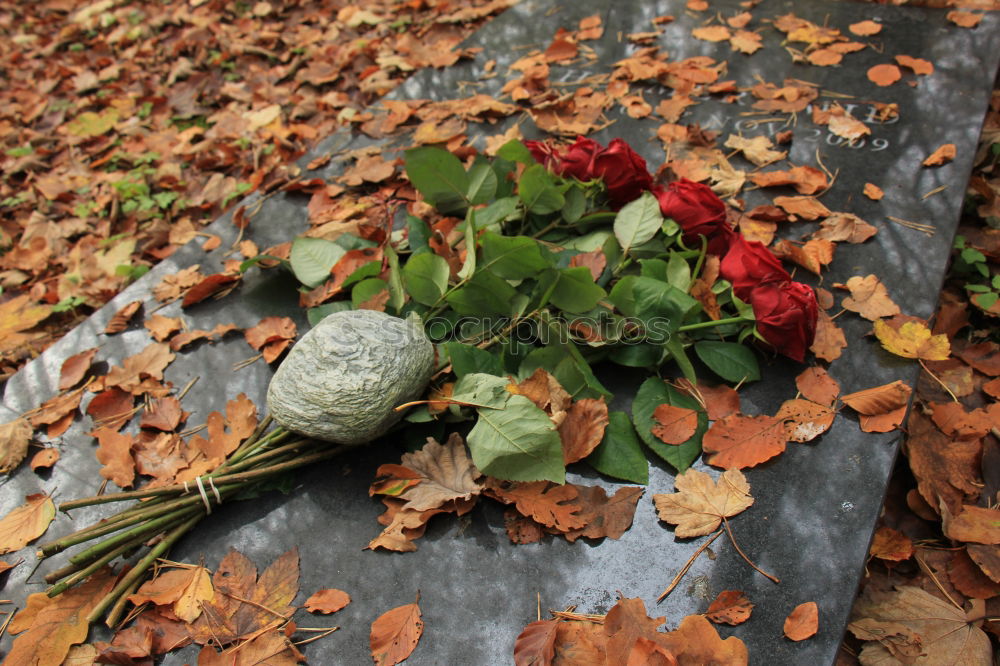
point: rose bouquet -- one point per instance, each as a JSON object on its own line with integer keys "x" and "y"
{"x": 541, "y": 259}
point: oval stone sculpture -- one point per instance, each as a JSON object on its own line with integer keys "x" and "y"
{"x": 341, "y": 381}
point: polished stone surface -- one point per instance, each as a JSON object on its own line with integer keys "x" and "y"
{"x": 816, "y": 505}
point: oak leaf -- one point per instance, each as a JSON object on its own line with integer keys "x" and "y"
{"x": 26, "y": 523}
{"x": 148, "y": 363}
{"x": 869, "y": 298}
{"x": 395, "y": 633}
{"x": 625, "y": 623}
{"x": 327, "y": 601}
{"x": 912, "y": 339}
{"x": 604, "y": 516}
{"x": 51, "y": 626}
{"x": 743, "y": 441}
{"x": 184, "y": 590}
{"x": 945, "y": 634}
{"x": 583, "y": 428}
{"x": 802, "y": 622}
{"x": 548, "y": 503}
{"x": 674, "y": 425}
{"x": 161, "y": 328}
{"x": 114, "y": 452}
{"x": 14, "y": 438}
{"x": 730, "y": 607}
{"x": 696, "y": 642}
{"x": 700, "y": 505}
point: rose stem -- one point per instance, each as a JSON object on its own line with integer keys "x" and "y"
{"x": 712, "y": 324}
{"x": 141, "y": 566}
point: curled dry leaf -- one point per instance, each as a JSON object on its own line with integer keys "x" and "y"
{"x": 806, "y": 207}
{"x": 327, "y": 601}
{"x": 26, "y": 523}
{"x": 813, "y": 255}
{"x": 844, "y": 227}
{"x": 742, "y": 441}
{"x": 878, "y": 400}
{"x": 730, "y": 607}
{"x": 217, "y": 284}
{"x": 119, "y": 321}
{"x": 944, "y": 154}
{"x": 802, "y": 622}
{"x": 395, "y": 633}
{"x": 14, "y": 438}
{"x": 75, "y": 368}
{"x": 759, "y": 149}
{"x": 699, "y": 505}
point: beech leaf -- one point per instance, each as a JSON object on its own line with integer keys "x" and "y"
{"x": 327, "y": 601}
{"x": 26, "y": 523}
{"x": 395, "y": 634}
{"x": 730, "y": 607}
{"x": 743, "y": 441}
{"x": 802, "y": 622}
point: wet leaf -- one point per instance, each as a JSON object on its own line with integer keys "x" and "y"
{"x": 699, "y": 505}
{"x": 120, "y": 320}
{"x": 26, "y": 523}
{"x": 395, "y": 633}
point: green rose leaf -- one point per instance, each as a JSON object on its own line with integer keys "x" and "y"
{"x": 515, "y": 151}
{"x": 484, "y": 294}
{"x": 366, "y": 290}
{"x": 482, "y": 183}
{"x": 425, "y": 276}
{"x": 730, "y": 360}
{"x": 575, "y": 291}
{"x": 653, "y": 393}
{"x": 439, "y": 176}
{"x": 638, "y": 221}
{"x": 619, "y": 455}
{"x": 513, "y": 257}
{"x": 312, "y": 259}
{"x": 538, "y": 191}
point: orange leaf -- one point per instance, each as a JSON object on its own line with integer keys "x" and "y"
{"x": 825, "y": 57}
{"x": 165, "y": 415}
{"x": 805, "y": 179}
{"x": 114, "y": 452}
{"x": 946, "y": 153}
{"x": 873, "y": 192}
{"x": 119, "y": 321}
{"x": 830, "y": 340}
{"x": 395, "y": 634}
{"x": 75, "y": 367}
{"x": 712, "y": 33}
{"x": 869, "y": 298}
{"x": 583, "y": 428}
{"x": 604, "y": 516}
{"x": 805, "y": 420}
{"x": 812, "y": 256}
{"x": 879, "y": 400}
{"x": 45, "y": 458}
{"x": 817, "y": 385}
{"x": 14, "y": 438}
{"x": 150, "y": 362}
{"x": 918, "y": 65}
{"x": 111, "y": 408}
{"x": 890, "y": 544}
{"x": 696, "y": 641}
{"x": 26, "y": 523}
{"x": 743, "y": 441}
{"x": 675, "y": 425}
{"x": 161, "y": 327}
{"x": 964, "y": 19}
{"x": 209, "y": 286}
{"x": 884, "y": 75}
{"x": 865, "y": 28}
{"x": 845, "y": 227}
{"x": 184, "y": 590}
{"x": 52, "y": 626}
{"x": 803, "y": 622}
{"x": 550, "y": 504}
{"x": 536, "y": 644}
{"x": 327, "y": 601}
{"x": 730, "y": 607}
{"x": 808, "y": 208}
{"x": 719, "y": 401}
{"x": 746, "y": 41}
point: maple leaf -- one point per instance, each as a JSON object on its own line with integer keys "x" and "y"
{"x": 730, "y": 607}
{"x": 327, "y": 601}
{"x": 184, "y": 590}
{"x": 743, "y": 441}
{"x": 699, "y": 505}
{"x": 940, "y": 632}
{"x": 802, "y": 622}
{"x": 26, "y": 523}
{"x": 14, "y": 438}
{"x": 51, "y": 626}
{"x": 912, "y": 339}
{"x": 395, "y": 633}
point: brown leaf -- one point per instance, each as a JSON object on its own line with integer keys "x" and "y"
{"x": 395, "y": 633}
{"x": 75, "y": 368}
{"x": 719, "y": 401}
{"x": 271, "y": 647}
{"x": 26, "y": 523}
{"x": 844, "y": 227}
{"x": 111, "y": 408}
{"x": 743, "y": 441}
{"x": 892, "y": 545}
{"x": 548, "y": 503}
{"x": 54, "y": 409}
{"x": 806, "y": 207}
{"x": 14, "y": 439}
{"x": 580, "y": 643}
{"x": 699, "y": 505}
{"x": 919, "y": 66}
{"x": 730, "y": 607}
{"x": 812, "y": 255}
{"x": 545, "y": 391}
{"x": 805, "y": 179}
{"x": 219, "y": 283}
{"x": 817, "y": 385}
{"x": 184, "y": 590}
{"x": 759, "y": 149}
{"x": 182, "y": 340}
{"x": 830, "y": 341}
{"x": 604, "y": 516}
{"x": 878, "y": 400}
{"x": 119, "y": 321}
{"x": 746, "y": 41}
{"x": 804, "y": 420}
{"x": 675, "y": 425}
{"x": 943, "y": 155}
{"x": 964, "y": 19}
{"x": 166, "y": 414}
{"x": 161, "y": 328}
{"x": 865, "y": 28}
{"x": 696, "y": 642}
{"x": 327, "y": 601}
{"x": 594, "y": 260}
{"x": 946, "y": 469}
{"x": 44, "y": 459}
{"x": 149, "y": 363}
{"x": 626, "y": 622}
{"x": 983, "y": 356}
{"x": 115, "y": 453}
{"x": 869, "y": 298}
{"x": 712, "y": 33}
{"x": 536, "y": 644}
{"x": 969, "y": 579}
{"x": 271, "y": 336}
{"x": 802, "y": 622}
{"x": 51, "y": 626}
{"x": 974, "y": 524}
{"x": 583, "y": 428}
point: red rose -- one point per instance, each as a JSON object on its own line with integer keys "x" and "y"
{"x": 623, "y": 171}
{"x": 786, "y": 316}
{"x": 748, "y": 264}
{"x": 699, "y": 211}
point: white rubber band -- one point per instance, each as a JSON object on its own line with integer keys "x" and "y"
{"x": 204, "y": 496}
{"x": 211, "y": 484}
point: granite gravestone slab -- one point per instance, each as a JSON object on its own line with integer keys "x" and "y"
{"x": 816, "y": 505}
